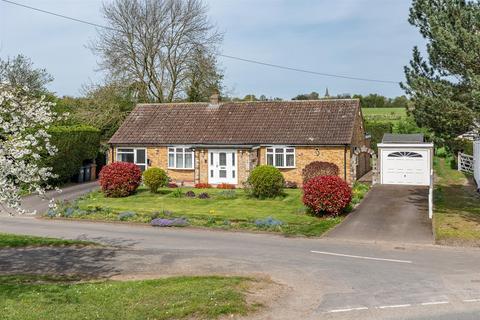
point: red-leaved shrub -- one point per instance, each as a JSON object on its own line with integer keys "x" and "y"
{"x": 225, "y": 186}
{"x": 326, "y": 195}
{"x": 172, "y": 185}
{"x": 120, "y": 179}
{"x": 319, "y": 168}
{"x": 202, "y": 185}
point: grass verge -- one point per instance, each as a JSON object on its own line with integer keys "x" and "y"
{"x": 8, "y": 240}
{"x": 43, "y": 297}
{"x": 457, "y": 207}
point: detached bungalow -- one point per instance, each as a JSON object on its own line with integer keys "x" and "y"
{"x": 220, "y": 142}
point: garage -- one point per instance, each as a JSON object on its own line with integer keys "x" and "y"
{"x": 405, "y": 159}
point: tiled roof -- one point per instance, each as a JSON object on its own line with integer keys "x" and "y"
{"x": 315, "y": 122}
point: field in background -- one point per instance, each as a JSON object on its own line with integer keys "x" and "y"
{"x": 384, "y": 114}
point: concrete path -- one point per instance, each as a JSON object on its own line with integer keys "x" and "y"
{"x": 33, "y": 202}
{"x": 389, "y": 213}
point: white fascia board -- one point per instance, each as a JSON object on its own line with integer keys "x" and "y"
{"x": 405, "y": 145}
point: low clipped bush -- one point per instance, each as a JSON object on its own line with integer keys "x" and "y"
{"x": 328, "y": 195}
{"x": 120, "y": 179}
{"x": 203, "y": 195}
{"x": 319, "y": 168}
{"x": 190, "y": 194}
{"x": 225, "y": 186}
{"x": 203, "y": 185}
{"x": 155, "y": 178}
{"x": 124, "y": 216}
{"x": 175, "y": 222}
{"x": 265, "y": 182}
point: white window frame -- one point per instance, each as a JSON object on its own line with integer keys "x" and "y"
{"x": 175, "y": 157}
{"x": 267, "y": 153}
{"x": 134, "y": 152}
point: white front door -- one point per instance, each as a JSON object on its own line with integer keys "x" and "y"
{"x": 222, "y": 166}
{"x": 403, "y": 166}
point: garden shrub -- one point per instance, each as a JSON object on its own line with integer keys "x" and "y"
{"x": 291, "y": 185}
{"x": 203, "y": 195}
{"x": 227, "y": 194}
{"x": 175, "y": 222}
{"x": 190, "y": 194}
{"x": 377, "y": 129}
{"x": 120, "y": 179}
{"x": 177, "y": 193}
{"x": 326, "y": 195}
{"x": 203, "y": 185}
{"x": 319, "y": 168}
{"x": 123, "y": 216}
{"x": 172, "y": 185}
{"x": 225, "y": 186}
{"x": 155, "y": 178}
{"x": 266, "y": 182}
{"x": 268, "y": 222}
{"x": 74, "y": 144}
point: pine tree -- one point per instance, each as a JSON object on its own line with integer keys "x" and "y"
{"x": 445, "y": 88}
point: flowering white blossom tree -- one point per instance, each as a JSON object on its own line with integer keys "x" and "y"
{"x": 24, "y": 143}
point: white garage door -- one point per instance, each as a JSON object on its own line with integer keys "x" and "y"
{"x": 409, "y": 167}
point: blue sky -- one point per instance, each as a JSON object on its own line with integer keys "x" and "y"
{"x": 361, "y": 38}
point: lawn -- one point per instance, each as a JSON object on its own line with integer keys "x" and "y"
{"x": 456, "y": 207}
{"x": 14, "y": 241}
{"x": 231, "y": 209}
{"x": 55, "y": 297}
{"x": 384, "y": 114}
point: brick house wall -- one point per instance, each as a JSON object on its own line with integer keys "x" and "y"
{"x": 305, "y": 155}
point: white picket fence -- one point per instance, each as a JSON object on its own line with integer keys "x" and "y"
{"x": 471, "y": 163}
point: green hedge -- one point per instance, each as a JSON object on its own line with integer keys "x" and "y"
{"x": 75, "y": 144}
{"x": 377, "y": 129}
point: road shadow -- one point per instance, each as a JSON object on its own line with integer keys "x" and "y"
{"x": 87, "y": 262}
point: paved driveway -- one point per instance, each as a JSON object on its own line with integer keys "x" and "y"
{"x": 389, "y": 213}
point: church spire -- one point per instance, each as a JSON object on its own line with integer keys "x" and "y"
{"x": 326, "y": 93}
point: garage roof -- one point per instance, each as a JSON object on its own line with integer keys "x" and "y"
{"x": 403, "y": 138}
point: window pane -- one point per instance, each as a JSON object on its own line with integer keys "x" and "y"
{"x": 211, "y": 158}
{"x": 279, "y": 150}
{"x": 290, "y": 150}
{"x": 279, "y": 160}
{"x": 180, "y": 150}
{"x": 233, "y": 158}
{"x": 141, "y": 156}
{"x": 171, "y": 150}
{"x": 211, "y": 173}
{"x": 142, "y": 167}
{"x": 179, "y": 161}
{"x": 125, "y": 157}
{"x": 171, "y": 160}
{"x": 188, "y": 160}
{"x": 270, "y": 159}
{"x": 222, "y": 173}
{"x": 125, "y": 150}
{"x": 222, "y": 158}
{"x": 269, "y": 150}
{"x": 290, "y": 160}
{"x": 233, "y": 173}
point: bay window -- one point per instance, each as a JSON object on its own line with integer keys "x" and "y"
{"x": 180, "y": 158}
{"x": 133, "y": 155}
{"x": 281, "y": 157}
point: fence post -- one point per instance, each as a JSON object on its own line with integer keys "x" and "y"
{"x": 430, "y": 196}
{"x": 459, "y": 159}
